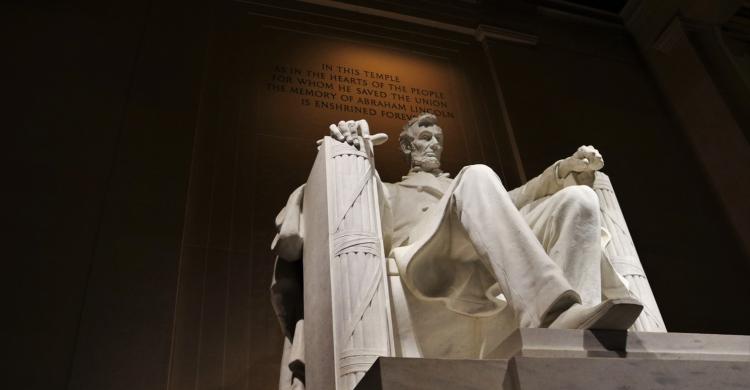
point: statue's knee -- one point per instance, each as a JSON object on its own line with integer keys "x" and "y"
{"x": 480, "y": 185}
{"x": 480, "y": 171}
{"x": 479, "y": 177}
{"x": 580, "y": 198}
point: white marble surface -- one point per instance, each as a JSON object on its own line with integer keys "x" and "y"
{"x": 543, "y": 359}
{"x": 531, "y": 342}
{"x": 469, "y": 261}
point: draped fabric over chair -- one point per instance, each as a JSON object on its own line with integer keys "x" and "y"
{"x": 622, "y": 254}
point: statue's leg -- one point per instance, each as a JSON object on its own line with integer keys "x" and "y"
{"x": 568, "y": 226}
{"x": 531, "y": 281}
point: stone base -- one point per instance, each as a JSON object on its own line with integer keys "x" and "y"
{"x": 537, "y": 359}
{"x": 435, "y": 374}
{"x": 536, "y": 342}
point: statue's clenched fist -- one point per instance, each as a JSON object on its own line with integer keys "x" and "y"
{"x": 584, "y": 162}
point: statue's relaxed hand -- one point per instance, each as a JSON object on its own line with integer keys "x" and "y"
{"x": 348, "y": 131}
{"x": 583, "y": 163}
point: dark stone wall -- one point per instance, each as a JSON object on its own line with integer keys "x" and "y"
{"x": 139, "y": 234}
{"x": 102, "y": 105}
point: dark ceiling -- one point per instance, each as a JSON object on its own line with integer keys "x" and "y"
{"x": 613, "y": 6}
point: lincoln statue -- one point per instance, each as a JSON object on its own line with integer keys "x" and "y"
{"x": 472, "y": 259}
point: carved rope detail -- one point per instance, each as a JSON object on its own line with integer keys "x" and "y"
{"x": 357, "y": 242}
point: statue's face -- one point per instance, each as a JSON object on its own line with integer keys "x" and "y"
{"x": 427, "y": 143}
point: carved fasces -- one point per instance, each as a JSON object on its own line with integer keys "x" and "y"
{"x": 359, "y": 293}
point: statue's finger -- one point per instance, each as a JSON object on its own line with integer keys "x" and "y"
{"x": 349, "y": 137}
{"x": 580, "y": 152}
{"x": 591, "y": 154}
{"x": 580, "y": 164}
{"x": 319, "y": 142}
{"x": 378, "y": 139}
{"x": 336, "y": 132}
{"x": 597, "y": 163}
{"x": 352, "y": 127}
{"x": 364, "y": 127}
{"x": 344, "y": 128}
{"x": 352, "y": 132}
{"x": 585, "y": 165}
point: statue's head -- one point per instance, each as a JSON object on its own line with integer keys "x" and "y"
{"x": 422, "y": 142}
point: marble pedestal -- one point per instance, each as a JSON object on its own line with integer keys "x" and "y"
{"x": 536, "y": 359}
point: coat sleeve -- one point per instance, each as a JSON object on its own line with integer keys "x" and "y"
{"x": 290, "y": 227}
{"x": 286, "y": 285}
{"x": 543, "y": 185}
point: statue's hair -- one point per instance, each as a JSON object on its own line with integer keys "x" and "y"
{"x": 405, "y": 138}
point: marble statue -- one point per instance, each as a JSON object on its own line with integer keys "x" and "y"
{"x": 434, "y": 266}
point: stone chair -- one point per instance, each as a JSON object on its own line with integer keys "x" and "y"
{"x": 356, "y": 307}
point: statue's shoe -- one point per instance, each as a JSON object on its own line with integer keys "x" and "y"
{"x": 612, "y": 314}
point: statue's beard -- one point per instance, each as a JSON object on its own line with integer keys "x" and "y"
{"x": 426, "y": 163}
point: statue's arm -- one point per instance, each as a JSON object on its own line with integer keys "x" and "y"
{"x": 547, "y": 183}
{"x": 290, "y": 228}
{"x": 286, "y": 284}
{"x": 579, "y": 168}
